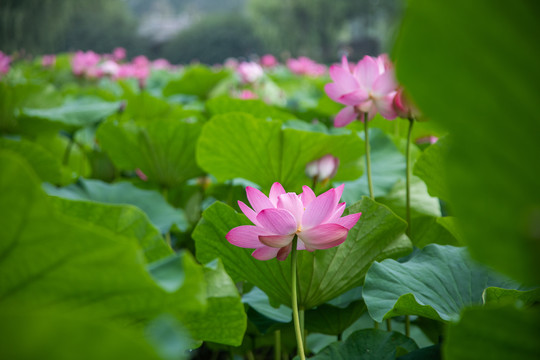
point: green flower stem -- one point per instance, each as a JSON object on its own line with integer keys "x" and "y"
{"x": 250, "y": 355}
{"x": 294, "y": 301}
{"x": 301, "y": 315}
{"x": 277, "y": 345}
{"x": 368, "y": 157}
{"x": 165, "y": 193}
{"x": 408, "y": 199}
{"x": 408, "y": 177}
{"x": 375, "y": 325}
{"x": 389, "y": 324}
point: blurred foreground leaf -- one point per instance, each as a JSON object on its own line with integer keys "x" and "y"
{"x": 495, "y": 334}
{"x": 480, "y": 81}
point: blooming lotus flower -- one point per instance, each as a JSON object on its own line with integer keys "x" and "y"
{"x": 84, "y": 63}
{"x": 110, "y": 67}
{"x": 139, "y": 71}
{"x": 279, "y": 217}
{"x": 48, "y": 60}
{"x": 249, "y": 71}
{"x": 323, "y": 168}
{"x": 161, "y": 64}
{"x": 369, "y": 88}
{"x": 5, "y": 60}
{"x": 141, "y": 61}
{"x": 305, "y": 66}
{"x": 268, "y": 61}
{"x": 119, "y": 53}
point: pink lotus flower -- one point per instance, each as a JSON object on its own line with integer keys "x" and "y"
{"x": 249, "y": 71}
{"x": 5, "y": 60}
{"x": 48, "y": 60}
{"x": 268, "y": 61}
{"x": 161, "y": 64}
{"x": 247, "y": 95}
{"x": 110, "y": 67}
{"x": 278, "y": 218}
{"x": 119, "y": 54}
{"x": 84, "y": 63}
{"x": 323, "y": 168}
{"x": 141, "y": 61}
{"x": 370, "y": 88}
{"x": 139, "y": 71}
{"x": 305, "y": 66}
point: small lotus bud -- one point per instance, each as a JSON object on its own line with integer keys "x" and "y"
{"x": 323, "y": 168}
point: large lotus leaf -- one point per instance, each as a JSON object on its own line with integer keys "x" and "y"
{"x": 13, "y": 97}
{"x": 224, "y": 104}
{"x": 237, "y": 145}
{"x": 495, "y": 334}
{"x": 425, "y": 213}
{"x": 323, "y": 274}
{"x": 71, "y": 115}
{"x": 46, "y": 166}
{"x": 259, "y": 301}
{"x": 145, "y": 106}
{"x": 124, "y": 220}
{"x": 387, "y": 167}
{"x": 368, "y": 345}
{"x": 57, "y": 334}
{"x": 163, "y": 149}
{"x": 47, "y": 258}
{"x": 196, "y": 80}
{"x": 431, "y": 168}
{"x": 224, "y": 320}
{"x": 511, "y": 296}
{"x": 451, "y": 224}
{"x": 265, "y": 317}
{"x": 171, "y": 340}
{"x": 437, "y": 283}
{"x": 488, "y": 66}
{"x": 161, "y": 214}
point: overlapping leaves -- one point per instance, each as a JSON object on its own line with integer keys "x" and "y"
{"x": 161, "y": 214}
{"x": 164, "y": 150}
{"x": 493, "y": 169}
{"x": 263, "y": 152}
{"x": 100, "y": 267}
{"x": 437, "y": 283}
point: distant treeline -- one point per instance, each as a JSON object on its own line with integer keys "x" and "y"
{"x": 320, "y": 29}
